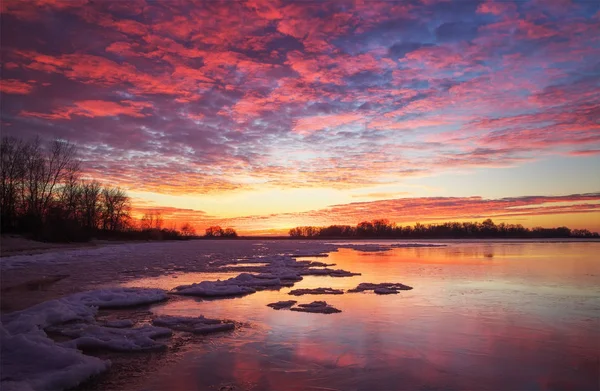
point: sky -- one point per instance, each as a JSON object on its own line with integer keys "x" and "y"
{"x": 264, "y": 115}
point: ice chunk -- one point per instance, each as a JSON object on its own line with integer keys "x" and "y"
{"x": 385, "y": 291}
{"x": 244, "y": 283}
{"x": 283, "y": 273}
{"x": 384, "y": 288}
{"x": 47, "y": 314}
{"x": 199, "y": 325}
{"x": 78, "y": 307}
{"x": 320, "y": 307}
{"x": 282, "y": 304}
{"x": 120, "y": 297}
{"x": 32, "y": 361}
{"x": 309, "y": 255}
{"x": 213, "y": 289}
{"x": 128, "y": 339}
{"x": 328, "y": 272}
{"x": 316, "y": 291}
{"x": 247, "y": 279}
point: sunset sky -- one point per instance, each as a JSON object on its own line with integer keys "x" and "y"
{"x": 264, "y": 115}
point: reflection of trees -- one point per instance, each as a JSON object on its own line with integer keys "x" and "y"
{"x": 382, "y": 228}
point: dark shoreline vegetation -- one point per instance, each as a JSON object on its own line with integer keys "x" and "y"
{"x": 383, "y": 229}
{"x": 44, "y": 196}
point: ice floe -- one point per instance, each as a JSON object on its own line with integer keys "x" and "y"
{"x": 328, "y": 272}
{"x": 282, "y": 304}
{"x": 316, "y": 291}
{"x": 32, "y": 361}
{"x": 198, "y": 325}
{"x": 119, "y": 339}
{"x": 119, "y": 297}
{"x": 384, "y": 288}
{"x": 213, "y": 289}
{"x": 320, "y": 307}
{"x": 243, "y": 284}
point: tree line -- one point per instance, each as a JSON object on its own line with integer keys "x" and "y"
{"x": 41, "y": 193}
{"x": 382, "y": 228}
{"x": 44, "y": 195}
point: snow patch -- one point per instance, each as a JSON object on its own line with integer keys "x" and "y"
{"x": 32, "y": 361}
{"x": 199, "y": 325}
{"x": 384, "y": 288}
{"x": 316, "y": 291}
{"x": 122, "y": 340}
{"x": 319, "y": 307}
{"x": 245, "y": 283}
{"x": 120, "y": 297}
{"x": 328, "y": 272}
{"x": 282, "y": 304}
{"x": 213, "y": 289}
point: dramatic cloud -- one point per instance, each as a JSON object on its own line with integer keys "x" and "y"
{"x": 213, "y": 97}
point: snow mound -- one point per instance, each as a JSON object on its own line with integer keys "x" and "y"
{"x": 199, "y": 325}
{"x": 316, "y": 291}
{"x": 384, "y": 288}
{"x": 282, "y": 304}
{"x": 213, "y": 289}
{"x": 32, "y": 361}
{"x": 243, "y": 284}
{"x": 81, "y": 306}
{"x": 247, "y": 279}
{"x": 47, "y": 314}
{"x": 121, "y": 340}
{"x": 319, "y": 307}
{"x": 120, "y": 297}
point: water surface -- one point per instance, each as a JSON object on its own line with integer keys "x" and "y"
{"x": 481, "y": 316}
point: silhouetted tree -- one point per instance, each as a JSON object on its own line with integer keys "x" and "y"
{"x": 214, "y": 232}
{"x": 229, "y": 233}
{"x": 188, "y": 230}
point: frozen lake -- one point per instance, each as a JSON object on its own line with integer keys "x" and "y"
{"x": 482, "y": 315}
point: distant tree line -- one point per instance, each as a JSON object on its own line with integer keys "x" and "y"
{"x": 43, "y": 196}
{"x": 382, "y": 228}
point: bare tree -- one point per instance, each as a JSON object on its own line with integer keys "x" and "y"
{"x": 12, "y": 175}
{"x": 151, "y": 220}
{"x": 45, "y": 170}
{"x": 116, "y": 209}
{"x": 91, "y": 207}
{"x": 188, "y": 230}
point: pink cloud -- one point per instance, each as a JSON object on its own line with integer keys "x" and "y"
{"x": 309, "y": 125}
{"x": 94, "y": 108}
{"x": 12, "y": 86}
